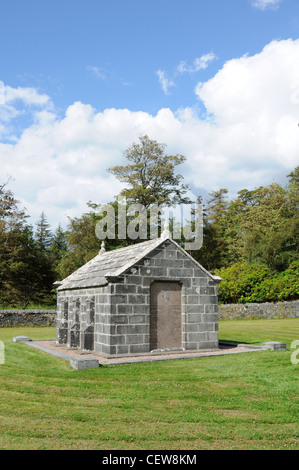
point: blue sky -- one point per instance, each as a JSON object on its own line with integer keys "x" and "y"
{"x": 81, "y": 80}
{"x": 107, "y": 53}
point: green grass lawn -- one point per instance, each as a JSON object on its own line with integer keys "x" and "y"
{"x": 242, "y": 401}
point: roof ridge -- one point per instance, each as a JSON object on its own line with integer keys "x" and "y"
{"x": 133, "y": 245}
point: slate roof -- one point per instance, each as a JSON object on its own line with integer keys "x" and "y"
{"x": 113, "y": 263}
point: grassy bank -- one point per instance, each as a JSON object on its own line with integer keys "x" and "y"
{"x": 246, "y": 401}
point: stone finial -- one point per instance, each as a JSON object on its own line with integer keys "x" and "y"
{"x": 102, "y": 250}
{"x": 166, "y": 232}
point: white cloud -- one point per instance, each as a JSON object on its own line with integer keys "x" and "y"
{"x": 2, "y": 93}
{"x": 264, "y": 4}
{"x": 199, "y": 63}
{"x": 99, "y": 73}
{"x": 165, "y": 82}
{"x": 29, "y": 96}
{"x": 17, "y": 102}
{"x": 249, "y": 138}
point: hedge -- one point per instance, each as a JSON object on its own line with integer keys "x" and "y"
{"x": 243, "y": 283}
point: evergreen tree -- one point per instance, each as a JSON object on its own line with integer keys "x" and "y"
{"x": 43, "y": 234}
{"x": 20, "y": 274}
{"x": 213, "y": 253}
{"x": 59, "y": 244}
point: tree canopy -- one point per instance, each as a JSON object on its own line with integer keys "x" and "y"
{"x": 150, "y": 175}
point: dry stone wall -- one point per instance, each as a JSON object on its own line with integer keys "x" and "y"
{"x": 27, "y": 318}
{"x": 262, "y": 310}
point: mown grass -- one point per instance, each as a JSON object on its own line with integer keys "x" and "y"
{"x": 245, "y": 401}
{"x": 259, "y": 331}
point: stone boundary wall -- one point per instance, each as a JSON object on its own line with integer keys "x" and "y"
{"x": 264, "y": 310}
{"x": 18, "y": 317}
{"x": 226, "y": 312}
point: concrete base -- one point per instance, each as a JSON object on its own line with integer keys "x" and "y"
{"x": 16, "y": 339}
{"x": 84, "y": 363}
{"x": 274, "y": 345}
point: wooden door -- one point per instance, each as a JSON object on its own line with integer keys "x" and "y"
{"x": 165, "y": 316}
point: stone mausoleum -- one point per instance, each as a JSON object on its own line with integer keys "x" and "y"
{"x": 144, "y": 298}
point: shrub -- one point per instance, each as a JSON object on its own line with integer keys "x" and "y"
{"x": 283, "y": 286}
{"x": 243, "y": 283}
{"x": 238, "y": 281}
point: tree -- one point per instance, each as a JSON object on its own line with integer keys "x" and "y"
{"x": 82, "y": 244}
{"x": 294, "y": 176}
{"x": 263, "y": 226}
{"x": 26, "y": 268}
{"x": 21, "y": 274}
{"x": 58, "y": 245}
{"x": 12, "y": 229}
{"x": 46, "y": 263}
{"x": 30, "y": 275}
{"x": 43, "y": 234}
{"x": 214, "y": 250}
{"x": 11, "y": 216}
{"x": 82, "y": 241}
{"x": 150, "y": 175}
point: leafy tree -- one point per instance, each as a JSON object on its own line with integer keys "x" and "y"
{"x": 267, "y": 228}
{"x": 239, "y": 281}
{"x": 294, "y": 176}
{"x": 82, "y": 242}
{"x": 150, "y": 175}
{"x": 242, "y": 283}
{"x": 11, "y": 216}
{"x": 290, "y": 242}
{"x": 278, "y": 287}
